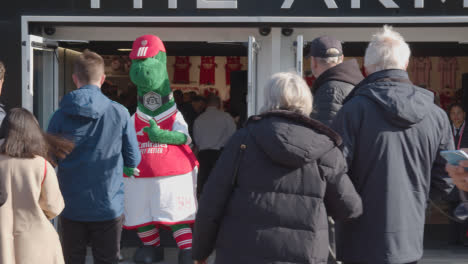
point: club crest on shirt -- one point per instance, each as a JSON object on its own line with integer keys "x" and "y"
{"x": 152, "y": 101}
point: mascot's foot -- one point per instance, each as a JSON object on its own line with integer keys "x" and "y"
{"x": 149, "y": 254}
{"x": 185, "y": 256}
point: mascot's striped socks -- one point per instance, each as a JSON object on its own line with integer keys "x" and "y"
{"x": 149, "y": 235}
{"x": 161, "y": 194}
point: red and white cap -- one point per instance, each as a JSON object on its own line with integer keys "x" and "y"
{"x": 146, "y": 46}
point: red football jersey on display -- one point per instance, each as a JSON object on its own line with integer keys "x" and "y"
{"x": 421, "y": 71}
{"x": 448, "y": 67}
{"x": 182, "y": 69}
{"x": 232, "y": 64}
{"x": 207, "y": 70}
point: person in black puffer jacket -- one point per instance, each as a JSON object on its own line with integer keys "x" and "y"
{"x": 335, "y": 78}
{"x": 290, "y": 178}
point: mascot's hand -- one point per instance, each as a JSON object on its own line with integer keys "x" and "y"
{"x": 153, "y": 131}
{"x": 158, "y": 135}
{"x": 131, "y": 172}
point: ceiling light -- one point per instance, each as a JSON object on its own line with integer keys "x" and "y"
{"x": 124, "y": 49}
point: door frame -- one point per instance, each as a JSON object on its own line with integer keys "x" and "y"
{"x": 38, "y": 43}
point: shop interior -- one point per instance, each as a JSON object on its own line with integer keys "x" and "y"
{"x": 200, "y": 68}
{"x": 205, "y": 68}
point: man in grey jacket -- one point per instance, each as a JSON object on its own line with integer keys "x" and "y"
{"x": 392, "y": 137}
{"x": 335, "y": 78}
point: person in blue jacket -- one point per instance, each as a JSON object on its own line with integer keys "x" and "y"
{"x": 91, "y": 177}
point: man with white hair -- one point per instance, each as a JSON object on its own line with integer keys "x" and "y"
{"x": 335, "y": 78}
{"x": 392, "y": 137}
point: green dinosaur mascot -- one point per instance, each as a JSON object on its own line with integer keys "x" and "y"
{"x": 161, "y": 192}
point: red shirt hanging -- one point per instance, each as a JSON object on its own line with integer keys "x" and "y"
{"x": 207, "y": 70}
{"x": 421, "y": 71}
{"x": 182, "y": 69}
{"x": 232, "y": 64}
{"x": 448, "y": 67}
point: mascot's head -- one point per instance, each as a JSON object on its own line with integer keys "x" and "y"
{"x": 149, "y": 73}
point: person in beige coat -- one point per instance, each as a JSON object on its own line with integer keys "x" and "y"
{"x": 26, "y": 234}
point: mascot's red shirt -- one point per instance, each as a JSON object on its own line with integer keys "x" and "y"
{"x": 157, "y": 159}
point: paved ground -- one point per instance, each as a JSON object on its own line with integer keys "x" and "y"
{"x": 447, "y": 255}
{"x": 170, "y": 255}
{"x": 437, "y": 250}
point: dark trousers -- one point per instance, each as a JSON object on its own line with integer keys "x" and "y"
{"x": 207, "y": 159}
{"x": 457, "y": 231}
{"x": 104, "y": 238}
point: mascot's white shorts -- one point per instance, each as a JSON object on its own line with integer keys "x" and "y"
{"x": 160, "y": 200}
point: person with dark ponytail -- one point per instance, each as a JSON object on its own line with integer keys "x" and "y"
{"x": 28, "y": 177}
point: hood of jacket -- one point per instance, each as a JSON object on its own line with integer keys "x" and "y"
{"x": 88, "y": 101}
{"x": 347, "y": 71}
{"x": 291, "y": 139}
{"x": 404, "y": 103}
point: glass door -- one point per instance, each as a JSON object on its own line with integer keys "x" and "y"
{"x": 41, "y": 96}
{"x": 252, "y": 78}
{"x": 300, "y": 55}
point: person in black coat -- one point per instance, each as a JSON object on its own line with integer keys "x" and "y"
{"x": 457, "y": 116}
{"x": 336, "y": 78}
{"x": 270, "y": 202}
{"x": 393, "y": 134}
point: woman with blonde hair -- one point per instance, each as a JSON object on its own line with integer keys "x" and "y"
{"x": 278, "y": 179}
{"x": 34, "y": 197}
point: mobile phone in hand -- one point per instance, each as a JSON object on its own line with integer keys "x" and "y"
{"x": 453, "y": 157}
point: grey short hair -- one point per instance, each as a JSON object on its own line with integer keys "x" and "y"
{"x": 387, "y": 50}
{"x": 288, "y": 91}
{"x": 331, "y": 61}
{"x": 213, "y": 100}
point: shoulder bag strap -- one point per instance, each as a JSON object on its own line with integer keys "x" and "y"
{"x": 240, "y": 154}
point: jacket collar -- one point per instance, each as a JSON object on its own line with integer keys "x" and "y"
{"x": 347, "y": 71}
{"x": 90, "y": 86}
{"x": 302, "y": 119}
{"x": 394, "y": 75}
